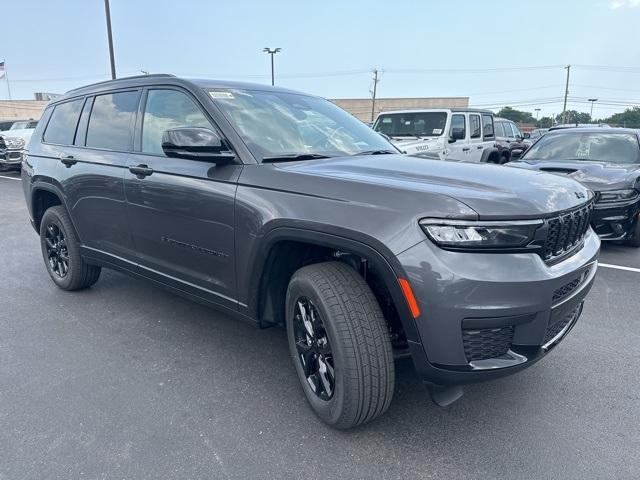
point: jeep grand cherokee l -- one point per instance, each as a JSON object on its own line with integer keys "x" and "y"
{"x": 281, "y": 209}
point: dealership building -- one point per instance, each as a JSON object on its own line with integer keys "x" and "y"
{"x": 361, "y": 107}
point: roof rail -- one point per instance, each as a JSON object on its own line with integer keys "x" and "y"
{"x": 151, "y": 75}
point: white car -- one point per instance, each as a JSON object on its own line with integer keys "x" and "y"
{"x": 462, "y": 134}
{"x": 13, "y": 142}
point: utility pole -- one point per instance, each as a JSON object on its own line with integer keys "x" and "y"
{"x": 592, "y": 100}
{"x": 107, "y": 12}
{"x": 566, "y": 94}
{"x": 272, "y": 52}
{"x": 373, "y": 93}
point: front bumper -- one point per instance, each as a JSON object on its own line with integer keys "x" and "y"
{"x": 10, "y": 158}
{"x": 488, "y": 315}
{"x": 613, "y": 221}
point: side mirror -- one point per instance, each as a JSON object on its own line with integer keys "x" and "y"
{"x": 196, "y": 143}
{"x": 456, "y": 134}
{"x": 526, "y": 135}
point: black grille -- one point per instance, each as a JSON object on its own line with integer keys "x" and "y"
{"x": 556, "y": 328}
{"x": 487, "y": 342}
{"x": 566, "y": 290}
{"x": 566, "y": 231}
{"x": 2, "y": 144}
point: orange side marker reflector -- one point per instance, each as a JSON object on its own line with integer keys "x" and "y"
{"x": 408, "y": 296}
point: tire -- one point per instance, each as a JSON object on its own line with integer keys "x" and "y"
{"x": 348, "y": 318}
{"x": 634, "y": 235}
{"x": 59, "y": 242}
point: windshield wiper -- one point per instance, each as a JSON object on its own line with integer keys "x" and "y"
{"x": 294, "y": 157}
{"x": 375, "y": 152}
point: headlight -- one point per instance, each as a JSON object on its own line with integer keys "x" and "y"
{"x": 479, "y": 234}
{"x": 617, "y": 195}
{"x": 14, "y": 142}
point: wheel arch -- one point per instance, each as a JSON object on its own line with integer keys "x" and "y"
{"x": 43, "y": 196}
{"x": 265, "y": 267}
{"x": 489, "y": 153}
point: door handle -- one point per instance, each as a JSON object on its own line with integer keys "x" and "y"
{"x": 480, "y": 147}
{"x": 141, "y": 171}
{"x": 68, "y": 160}
{"x": 466, "y": 149}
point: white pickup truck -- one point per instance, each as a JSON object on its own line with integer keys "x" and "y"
{"x": 462, "y": 134}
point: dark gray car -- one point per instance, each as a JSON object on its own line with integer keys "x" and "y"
{"x": 282, "y": 209}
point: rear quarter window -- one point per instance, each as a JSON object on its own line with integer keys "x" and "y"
{"x": 62, "y": 126}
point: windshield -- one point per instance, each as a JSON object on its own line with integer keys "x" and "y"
{"x": 421, "y": 124}
{"x": 18, "y": 126}
{"x": 274, "y": 124}
{"x": 602, "y": 147}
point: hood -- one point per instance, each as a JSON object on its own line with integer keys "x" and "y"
{"x": 492, "y": 191}
{"x": 24, "y": 133}
{"x": 411, "y": 144}
{"x": 597, "y": 176}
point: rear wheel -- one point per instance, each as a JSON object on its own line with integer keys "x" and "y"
{"x": 61, "y": 252}
{"x": 339, "y": 343}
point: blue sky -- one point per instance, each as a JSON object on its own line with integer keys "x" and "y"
{"x": 330, "y": 46}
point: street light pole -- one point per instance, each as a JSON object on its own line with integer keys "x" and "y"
{"x": 537, "y": 112}
{"x": 107, "y": 12}
{"x": 272, "y": 52}
{"x": 592, "y": 100}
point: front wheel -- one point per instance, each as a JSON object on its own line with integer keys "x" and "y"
{"x": 340, "y": 345}
{"x": 633, "y": 238}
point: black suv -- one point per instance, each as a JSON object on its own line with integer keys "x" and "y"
{"x": 282, "y": 209}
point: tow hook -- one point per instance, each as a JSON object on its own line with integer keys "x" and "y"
{"x": 445, "y": 395}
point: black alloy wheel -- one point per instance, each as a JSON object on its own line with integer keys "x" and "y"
{"x": 57, "y": 251}
{"x": 313, "y": 348}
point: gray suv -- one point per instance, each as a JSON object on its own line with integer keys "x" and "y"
{"x": 279, "y": 208}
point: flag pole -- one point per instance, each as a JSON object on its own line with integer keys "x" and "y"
{"x": 6, "y": 77}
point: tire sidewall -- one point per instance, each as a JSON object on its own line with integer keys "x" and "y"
{"x": 332, "y": 410}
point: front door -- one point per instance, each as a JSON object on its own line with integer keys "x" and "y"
{"x": 181, "y": 211}
{"x": 458, "y": 150}
{"x": 476, "y": 143}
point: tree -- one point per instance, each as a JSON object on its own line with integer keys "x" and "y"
{"x": 545, "y": 122}
{"x": 517, "y": 116}
{"x": 573, "y": 116}
{"x": 630, "y": 118}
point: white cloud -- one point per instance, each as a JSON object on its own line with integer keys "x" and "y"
{"x": 615, "y": 4}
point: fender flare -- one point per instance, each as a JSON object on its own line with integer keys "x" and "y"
{"x": 487, "y": 152}
{"x": 379, "y": 256}
{"x": 39, "y": 185}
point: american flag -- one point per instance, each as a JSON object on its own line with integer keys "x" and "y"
{"x": 2, "y": 72}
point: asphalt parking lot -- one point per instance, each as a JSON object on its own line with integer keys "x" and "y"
{"x": 125, "y": 380}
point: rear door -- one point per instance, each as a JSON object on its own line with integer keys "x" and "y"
{"x": 488, "y": 134}
{"x": 181, "y": 215}
{"x": 90, "y": 137}
{"x": 476, "y": 143}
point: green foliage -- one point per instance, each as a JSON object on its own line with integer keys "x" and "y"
{"x": 573, "y": 116}
{"x": 545, "y": 122}
{"x": 517, "y": 116}
{"x": 630, "y": 118}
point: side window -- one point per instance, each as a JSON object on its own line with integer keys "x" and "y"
{"x": 500, "y": 129}
{"x": 508, "y": 129}
{"x": 111, "y": 121}
{"x": 487, "y": 126}
{"x": 62, "y": 125}
{"x": 516, "y": 130}
{"x": 474, "y": 125}
{"x": 168, "y": 109}
{"x": 458, "y": 126}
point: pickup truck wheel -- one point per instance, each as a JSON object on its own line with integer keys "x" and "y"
{"x": 633, "y": 240}
{"x": 61, "y": 252}
{"x": 339, "y": 343}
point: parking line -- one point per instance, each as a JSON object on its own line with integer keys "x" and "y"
{"x": 9, "y": 178}
{"x": 619, "y": 267}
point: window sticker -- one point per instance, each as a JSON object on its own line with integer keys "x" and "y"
{"x": 221, "y": 94}
{"x": 437, "y": 131}
{"x": 387, "y": 120}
